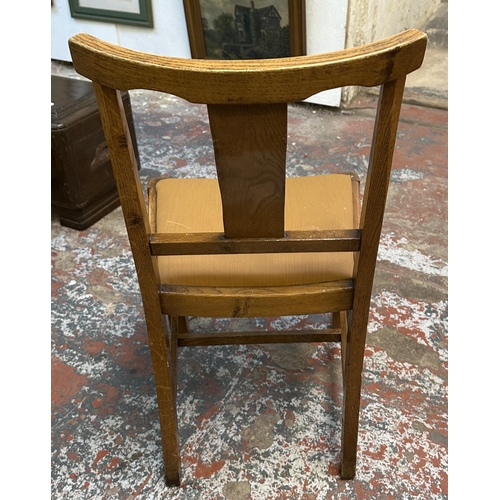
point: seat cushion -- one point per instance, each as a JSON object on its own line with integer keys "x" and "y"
{"x": 312, "y": 203}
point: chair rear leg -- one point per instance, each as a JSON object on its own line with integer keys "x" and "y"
{"x": 166, "y": 400}
{"x": 353, "y": 367}
{"x": 340, "y": 321}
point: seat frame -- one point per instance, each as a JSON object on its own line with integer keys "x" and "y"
{"x": 247, "y": 107}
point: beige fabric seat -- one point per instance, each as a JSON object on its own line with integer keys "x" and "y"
{"x": 311, "y": 203}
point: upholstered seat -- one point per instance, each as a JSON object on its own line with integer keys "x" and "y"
{"x": 311, "y": 203}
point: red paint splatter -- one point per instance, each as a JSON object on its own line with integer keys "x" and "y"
{"x": 377, "y": 454}
{"x": 289, "y": 415}
{"x": 55, "y": 287}
{"x": 113, "y": 463}
{"x": 94, "y": 347}
{"x": 65, "y": 382}
{"x": 97, "y": 402}
{"x": 125, "y": 353}
{"x": 207, "y": 470}
{"x": 107, "y": 399}
{"x": 100, "y": 455}
{"x": 333, "y": 469}
{"x": 213, "y": 410}
{"x": 141, "y": 487}
{"x": 99, "y": 276}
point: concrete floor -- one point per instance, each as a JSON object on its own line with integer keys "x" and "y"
{"x": 261, "y": 422}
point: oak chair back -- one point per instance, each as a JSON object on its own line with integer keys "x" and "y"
{"x": 247, "y": 108}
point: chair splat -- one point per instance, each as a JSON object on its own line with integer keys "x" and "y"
{"x": 250, "y": 155}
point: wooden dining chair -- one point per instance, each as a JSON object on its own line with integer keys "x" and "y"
{"x": 252, "y": 243}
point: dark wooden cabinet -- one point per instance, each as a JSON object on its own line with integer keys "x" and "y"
{"x": 82, "y": 181}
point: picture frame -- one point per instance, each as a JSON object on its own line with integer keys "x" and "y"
{"x": 136, "y": 12}
{"x": 245, "y": 29}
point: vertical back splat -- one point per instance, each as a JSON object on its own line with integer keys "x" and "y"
{"x": 250, "y": 154}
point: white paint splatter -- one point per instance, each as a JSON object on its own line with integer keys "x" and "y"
{"x": 390, "y": 250}
{"x": 406, "y": 174}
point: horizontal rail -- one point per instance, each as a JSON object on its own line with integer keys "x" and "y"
{"x": 287, "y": 79}
{"x": 266, "y": 337}
{"x": 345, "y": 240}
{"x": 232, "y": 302}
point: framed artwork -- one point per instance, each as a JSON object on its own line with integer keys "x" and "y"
{"x": 137, "y": 12}
{"x": 245, "y": 29}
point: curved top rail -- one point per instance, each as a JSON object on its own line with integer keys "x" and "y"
{"x": 248, "y": 81}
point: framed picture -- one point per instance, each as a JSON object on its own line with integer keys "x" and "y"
{"x": 138, "y": 12}
{"x": 245, "y": 29}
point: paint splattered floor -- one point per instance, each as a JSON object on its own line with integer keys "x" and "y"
{"x": 258, "y": 422}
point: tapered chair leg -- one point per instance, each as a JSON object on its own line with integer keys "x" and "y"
{"x": 168, "y": 426}
{"x": 165, "y": 396}
{"x": 178, "y": 324}
{"x": 353, "y": 366}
